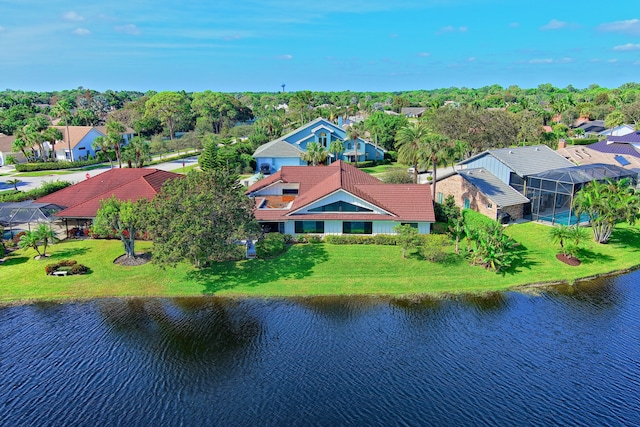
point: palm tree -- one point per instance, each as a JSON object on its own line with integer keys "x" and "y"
{"x": 315, "y": 154}
{"x": 354, "y": 132}
{"x": 435, "y": 148}
{"x": 63, "y": 110}
{"x": 20, "y": 143}
{"x": 337, "y": 148}
{"x": 46, "y": 235}
{"x": 30, "y": 240}
{"x": 102, "y": 143}
{"x": 14, "y": 182}
{"x": 409, "y": 142}
{"x": 140, "y": 149}
{"x": 51, "y": 135}
{"x": 115, "y": 130}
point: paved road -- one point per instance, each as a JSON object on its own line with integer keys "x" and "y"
{"x": 27, "y": 182}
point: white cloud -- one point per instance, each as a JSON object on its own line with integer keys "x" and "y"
{"x": 611, "y": 61}
{"x": 554, "y": 24}
{"x": 627, "y": 47}
{"x": 81, "y": 32}
{"x": 541, "y": 61}
{"x": 128, "y": 29}
{"x": 564, "y": 60}
{"x": 471, "y": 59}
{"x": 286, "y": 57}
{"x": 451, "y": 29}
{"x": 72, "y": 16}
{"x": 630, "y": 26}
{"x": 423, "y": 54}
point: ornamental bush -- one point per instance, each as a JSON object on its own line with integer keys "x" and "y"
{"x": 71, "y": 266}
{"x": 273, "y": 244}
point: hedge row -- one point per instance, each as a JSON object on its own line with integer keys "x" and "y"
{"x": 46, "y": 166}
{"x": 36, "y": 193}
{"x": 582, "y": 141}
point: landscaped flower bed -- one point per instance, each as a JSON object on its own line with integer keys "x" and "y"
{"x": 65, "y": 267}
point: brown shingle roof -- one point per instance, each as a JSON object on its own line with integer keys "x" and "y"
{"x": 82, "y": 200}
{"x": 401, "y": 201}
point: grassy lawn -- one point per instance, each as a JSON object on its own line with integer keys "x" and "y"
{"x": 319, "y": 269}
{"x": 44, "y": 173}
{"x": 379, "y": 169}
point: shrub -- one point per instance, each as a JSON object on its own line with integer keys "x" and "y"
{"x": 476, "y": 220}
{"x": 397, "y": 176}
{"x": 366, "y": 164}
{"x": 582, "y": 141}
{"x": 16, "y": 238}
{"x": 71, "y": 266}
{"x": 271, "y": 245}
{"x": 45, "y": 166}
{"x": 433, "y": 247}
{"x": 36, "y": 193}
{"x": 2, "y": 250}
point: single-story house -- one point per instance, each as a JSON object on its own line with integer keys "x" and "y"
{"x": 288, "y": 149}
{"x": 81, "y": 201}
{"x": 81, "y": 138}
{"x": 413, "y": 112}
{"x": 494, "y": 182}
{"x": 6, "y": 149}
{"x": 338, "y": 199}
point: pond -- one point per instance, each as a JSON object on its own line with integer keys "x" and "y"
{"x": 565, "y": 356}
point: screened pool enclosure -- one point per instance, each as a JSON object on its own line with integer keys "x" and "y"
{"x": 551, "y": 193}
{"x": 26, "y": 213}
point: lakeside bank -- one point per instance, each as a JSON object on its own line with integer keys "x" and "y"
{"x": 308, "y": 270}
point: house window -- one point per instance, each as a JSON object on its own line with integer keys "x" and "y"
{"x": 322, "y": 139}
{"x": 357, "y": 227}
{"x": 349, "y": 145}
{"x": 489, "y": 205}
{"x": 340, "y": 206}
{"x": 412, "y": 224}
{"x": 440, "y": 197}
{"x": 289, "y": 191}
{"x": 302, "y": 227}
{"x": 467, "y": 203}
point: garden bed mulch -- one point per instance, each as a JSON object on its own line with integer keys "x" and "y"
{"x": 574, "y": 262}
{"x": 139, "y": 259}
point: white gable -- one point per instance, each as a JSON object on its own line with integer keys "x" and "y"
{"x": 342, "y": 196}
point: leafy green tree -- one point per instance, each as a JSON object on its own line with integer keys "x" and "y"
{"x": 208, "y": 160}
{"x": 219, "y": 110}
{"x": 613, "y": 120}
{"x": 123, "y": 218}
{"x": 607, "y": 204}
{"x": 52, "y": 135}
{"x": 199, "y": 218}
{"x": 138, "y": 152}
{"x": 383, "y": 128}
{"x": 407, "y": 238}
{"x": 315, "y": 154}
{"x": 169, "y": 108}
{"x": 436, "y": 148}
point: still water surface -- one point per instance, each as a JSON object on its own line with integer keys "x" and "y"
{"x": 567, "y": 356}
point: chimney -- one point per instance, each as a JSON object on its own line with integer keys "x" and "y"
{"x": 562, "y": 143}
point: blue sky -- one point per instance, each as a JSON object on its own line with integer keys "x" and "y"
{"x": 320, "y": 45}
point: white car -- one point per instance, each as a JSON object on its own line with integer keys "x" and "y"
{"x": 411, "y": 170}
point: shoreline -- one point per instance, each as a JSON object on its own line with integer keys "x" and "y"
{"x": 402, "y": 297}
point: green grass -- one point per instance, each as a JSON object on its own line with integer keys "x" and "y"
{"x": 310, "y": 269}
{"x": 44, "y": 173}
{"x": 382, "y": 168}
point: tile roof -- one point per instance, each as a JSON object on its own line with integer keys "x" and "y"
{"x": 82, "y": 200}
{"x": 401, "y": 201}
{"x": 492, "y": 187}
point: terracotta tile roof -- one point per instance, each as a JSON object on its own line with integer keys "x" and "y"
{"x": 82, "y": 200}
{"x": 401, "y": 201}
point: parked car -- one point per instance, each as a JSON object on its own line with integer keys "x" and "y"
{"x": 411, "y": 170}
{"x": 265, "y": 168}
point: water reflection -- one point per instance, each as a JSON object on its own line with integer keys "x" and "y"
{"x": 189, "y": 329}
{"x": 567, "y": 356}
